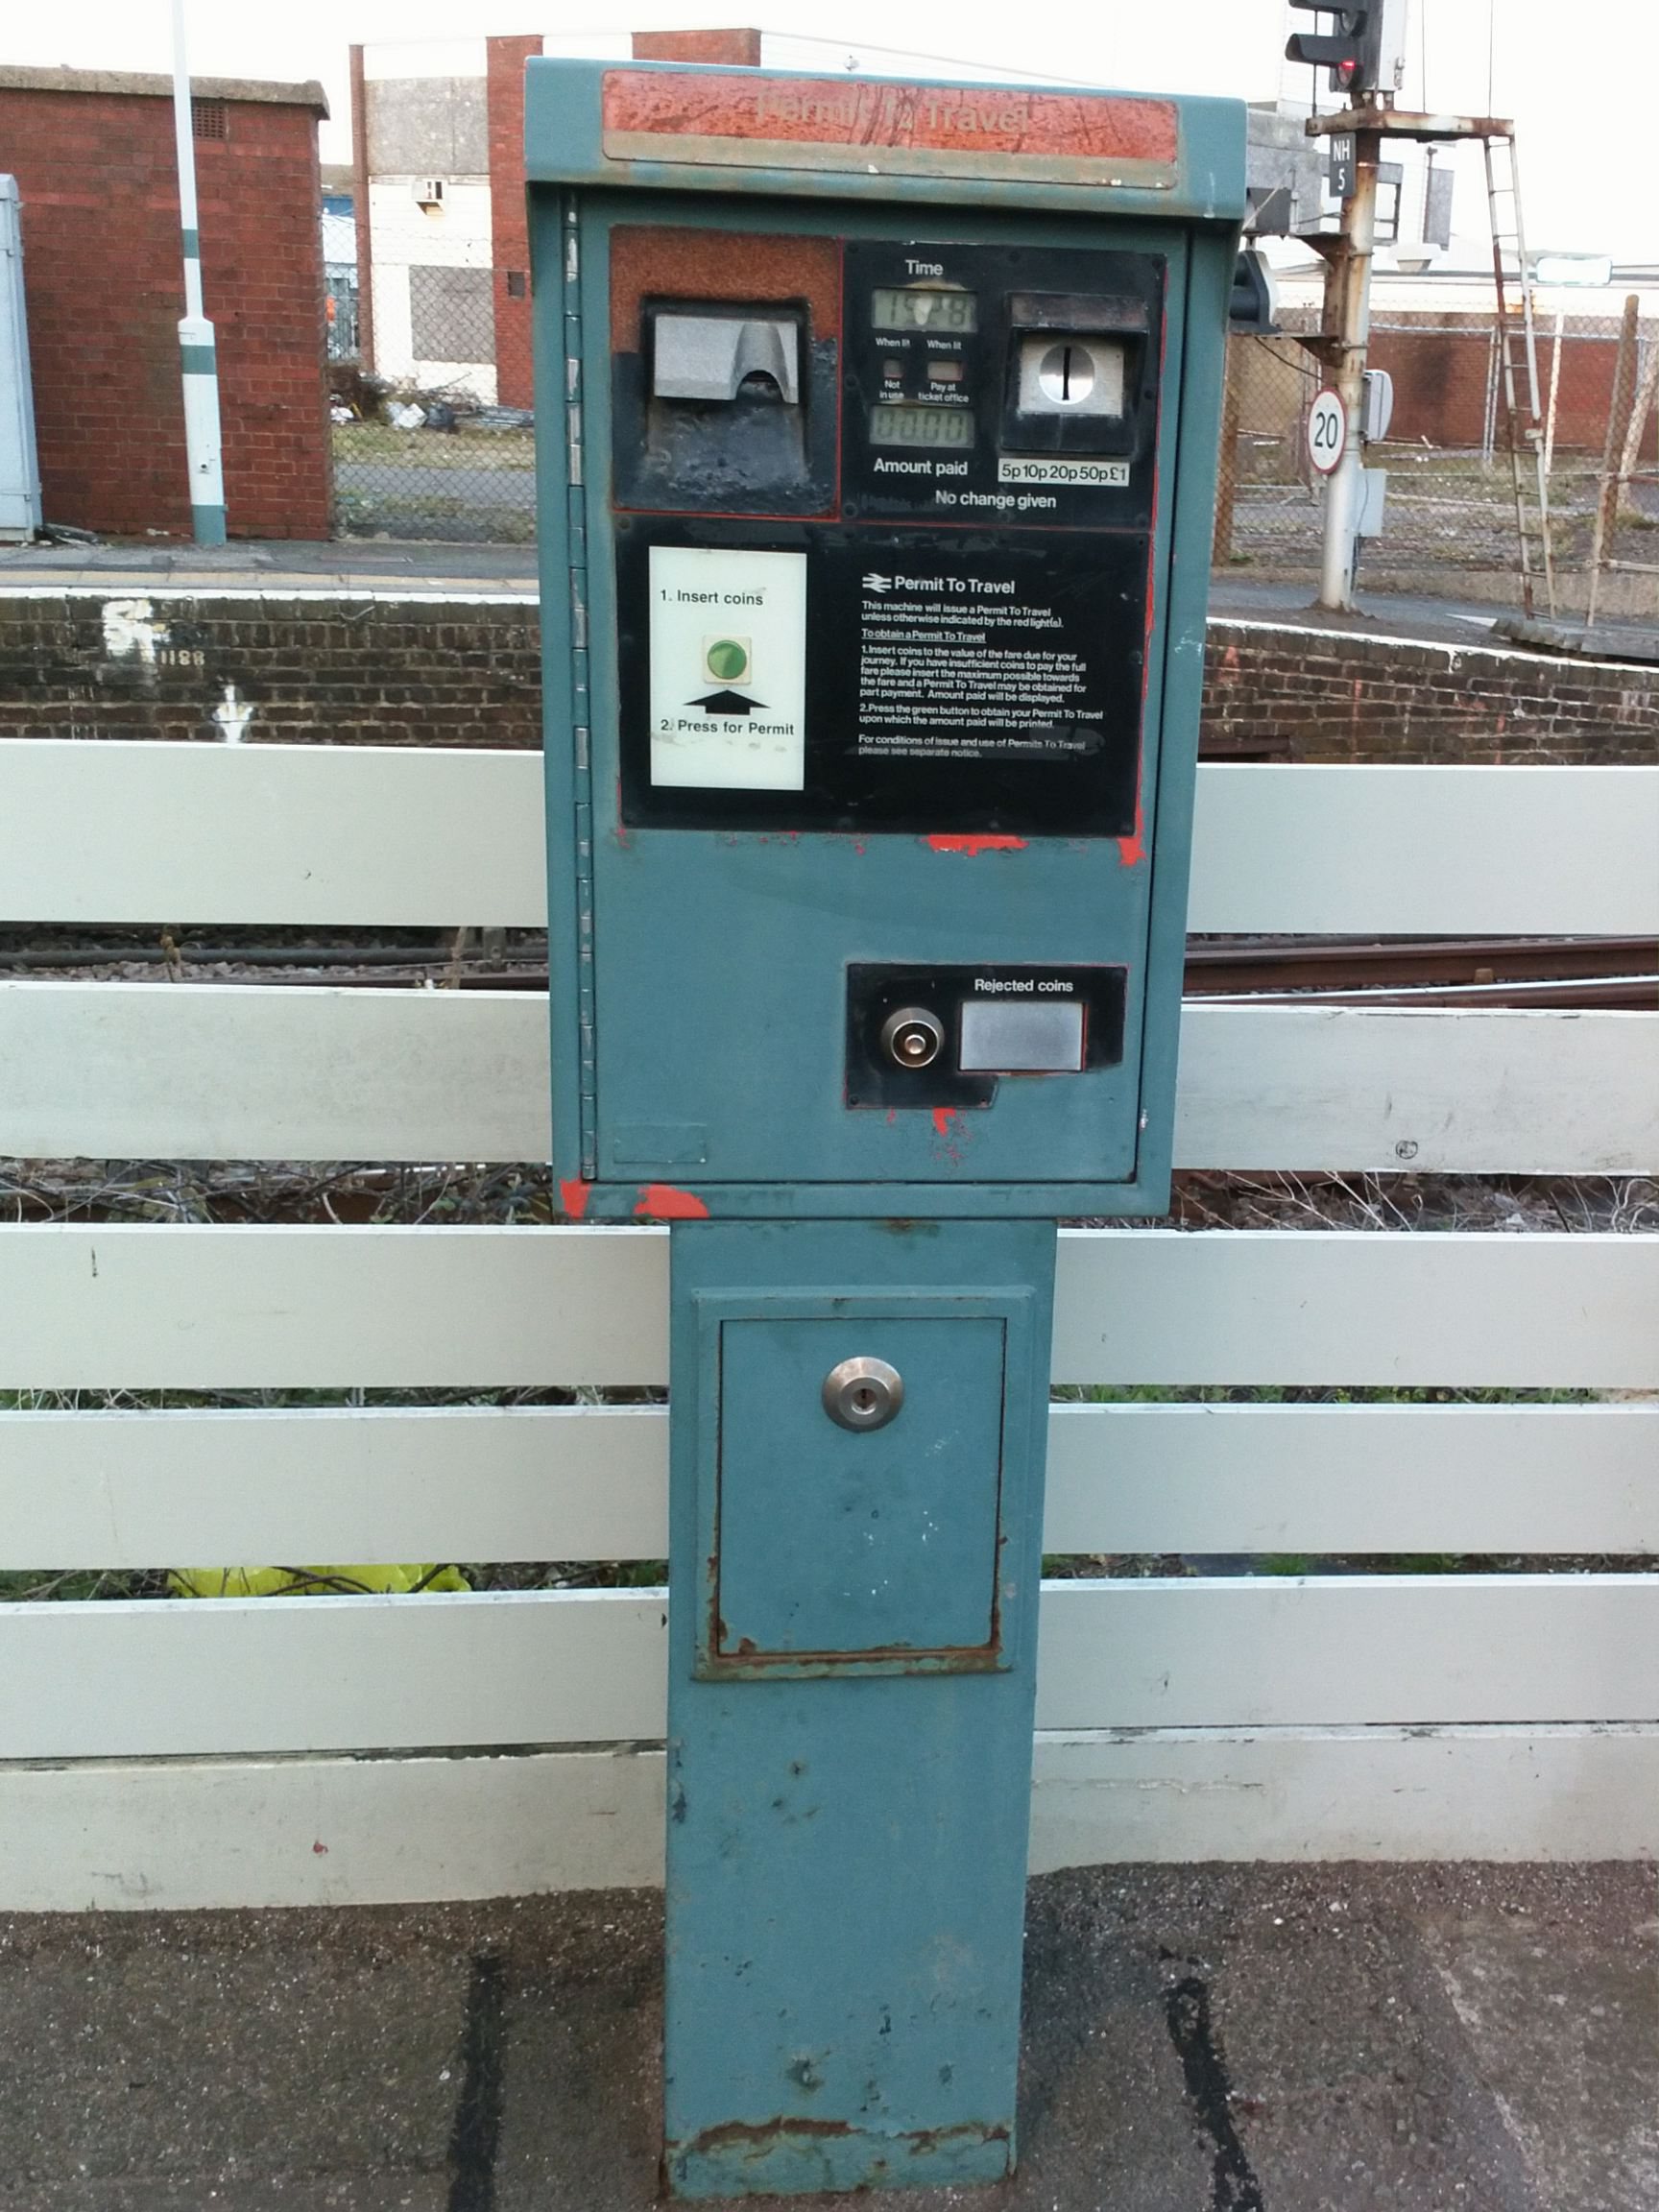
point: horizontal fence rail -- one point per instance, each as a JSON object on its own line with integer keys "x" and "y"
{"x": 362, "y": 835}
{"x": 212, "y": 1308}
{"x": 320, "y": 1830}
{"x": 139, "y": 1490}
{"x": 122, "y": 1071}
{"x": 304, "y": 1751}
{"x": 248, "y": 1674}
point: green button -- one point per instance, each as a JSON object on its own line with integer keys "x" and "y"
{"x": 727, "y": 660}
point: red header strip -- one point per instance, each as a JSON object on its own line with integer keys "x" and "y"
{"x": 916, "y": 130}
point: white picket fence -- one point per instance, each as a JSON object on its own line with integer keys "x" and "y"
{"x": 338, "y": 1749}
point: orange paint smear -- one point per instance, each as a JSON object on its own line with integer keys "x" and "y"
{"x": 1130, "y": 849}
{"x": 974, "y": 843}
{"x": 943, "y": 1117}
{"x": 663, "y": 1202}
{"x": 573, "y": 1197}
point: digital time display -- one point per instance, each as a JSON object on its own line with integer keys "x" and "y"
{"x": 894, "y": 425}
{"x": 898, "y": 308}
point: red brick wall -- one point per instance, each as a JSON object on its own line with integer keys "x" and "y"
{"x": 509, "y": 231}
{"x": 726, "y": 49}
{"x": 105, "y": 289}
{"x": 1441, "y": 378}
{"x": 436, "y": 672}
{"x": 1281, "y": 692}
{"x": 509, "y": 234}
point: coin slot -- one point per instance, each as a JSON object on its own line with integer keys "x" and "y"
{"x": 1061, "y": 375}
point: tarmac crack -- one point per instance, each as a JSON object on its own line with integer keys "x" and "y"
{"x": 476, "y": 2133}
{"x": 1209, "y": 2093}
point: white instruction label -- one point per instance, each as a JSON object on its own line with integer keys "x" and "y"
{"x": 728, "y": 668}
{"x": 1113, "y": 475}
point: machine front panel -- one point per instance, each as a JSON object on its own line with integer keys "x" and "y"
{"x": 867, "y": 696}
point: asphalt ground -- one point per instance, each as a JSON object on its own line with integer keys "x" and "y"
{"x": 402, "y": 566}
{"x": 1197, "y": 2039}
{"x": 390, "y": 565}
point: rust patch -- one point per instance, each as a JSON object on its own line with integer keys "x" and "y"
{"x": 911, "y": 1658}
{"x": 752, "y": 2140}
{"x": 755, "y": 2138}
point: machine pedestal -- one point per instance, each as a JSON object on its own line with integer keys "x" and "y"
{"x": 859, "y": 1423}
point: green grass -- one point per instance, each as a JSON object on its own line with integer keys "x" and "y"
{"x": 377, "y": 444}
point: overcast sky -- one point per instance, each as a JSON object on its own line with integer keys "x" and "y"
{"x": 1571, "y": 75}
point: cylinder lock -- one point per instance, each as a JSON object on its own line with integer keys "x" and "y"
{"x": 912, "y": 1037}
{"x": 864, "y": 1393}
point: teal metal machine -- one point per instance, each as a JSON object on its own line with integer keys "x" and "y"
{"x": 878, "y": 430}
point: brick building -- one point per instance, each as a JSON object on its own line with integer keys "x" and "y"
{"x": 438, "y": 139}
{"x": 93, "y": 154}
{"x": 442, "y": 250}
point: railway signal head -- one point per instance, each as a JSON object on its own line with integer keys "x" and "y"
{"x": 1364, "y": 49}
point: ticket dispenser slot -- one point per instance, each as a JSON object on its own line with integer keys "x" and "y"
{"x": 723, "y": 356}
{"x": 723, "y": 372}
{"x": 724, "y": 415}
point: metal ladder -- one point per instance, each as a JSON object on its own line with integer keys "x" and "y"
{"x": 1518, "y": 353}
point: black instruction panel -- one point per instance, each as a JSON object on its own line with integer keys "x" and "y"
{"x": 996, "y": 677}
{"x": 990, "y": 684}
{"x": 959, "y": 646}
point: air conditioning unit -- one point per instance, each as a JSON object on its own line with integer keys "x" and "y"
{"x": 429, "y": 194}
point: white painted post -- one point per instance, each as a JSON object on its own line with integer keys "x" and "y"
{"x": 198, "y": 354}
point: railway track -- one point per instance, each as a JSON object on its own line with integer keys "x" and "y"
{"x": 1515, "y": 971}
{"x": 1493, "y": 971}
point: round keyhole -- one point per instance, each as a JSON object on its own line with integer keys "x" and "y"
{"x": 1066, "y": 375}
{"x": 862, "y": 1393}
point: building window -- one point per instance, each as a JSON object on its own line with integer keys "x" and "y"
{"x": 452, "y": 314}
{"x": 517, "y": 285}
{"x": 209, "y": 119}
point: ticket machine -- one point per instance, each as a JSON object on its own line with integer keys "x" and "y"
{"x": 877, "y": 445}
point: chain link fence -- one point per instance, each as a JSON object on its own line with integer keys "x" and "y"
{"x": 1448, "y": 519}
{"x": 439, "y": 441}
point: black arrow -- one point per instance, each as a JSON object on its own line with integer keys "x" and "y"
{"x": 726, "y": 702}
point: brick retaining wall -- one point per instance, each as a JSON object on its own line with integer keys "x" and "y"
{"x": 343, "y": 670}
{"x": 1275, "y": 691}
{"x": 331, "y": 670}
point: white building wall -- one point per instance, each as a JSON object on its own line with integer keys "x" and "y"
{"x": 455, "y": 235}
